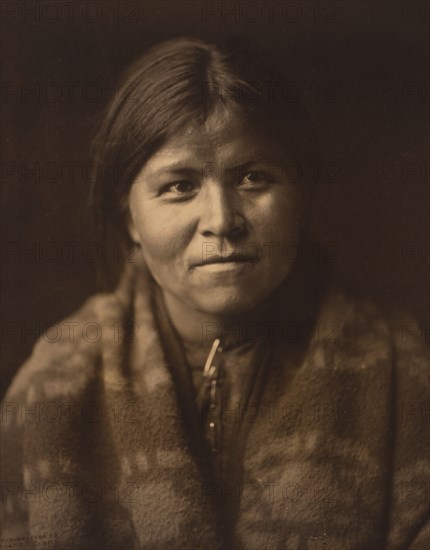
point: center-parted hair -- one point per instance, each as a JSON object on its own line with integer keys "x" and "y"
{"x": 182, "y": 82}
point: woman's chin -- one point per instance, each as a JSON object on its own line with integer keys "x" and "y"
{"x": 232, "y": 298}
{"x": 228, "y": 303}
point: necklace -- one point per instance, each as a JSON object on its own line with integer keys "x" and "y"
{"x": 210, "y": 396}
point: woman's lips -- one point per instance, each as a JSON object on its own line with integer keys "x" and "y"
{"x": 217, "y": 259}
{"x": 224, "y": 267}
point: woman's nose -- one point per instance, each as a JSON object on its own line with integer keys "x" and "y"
{"x": 220, "y": 213}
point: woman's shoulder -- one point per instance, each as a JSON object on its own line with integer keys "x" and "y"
{"x": 386, "y": 348}
{"x": 356, "y": 319}
{"x": 64, "y": 359}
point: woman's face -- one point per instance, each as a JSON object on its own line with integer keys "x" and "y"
{"x": 208, "y": 193}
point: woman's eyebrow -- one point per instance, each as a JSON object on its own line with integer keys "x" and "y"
{"x": 175, "y": 168}
{"x": 178, "y": 168}
{"x": 243, "y": 166}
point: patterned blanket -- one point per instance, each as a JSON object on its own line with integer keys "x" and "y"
{"x": 99, "y": 449}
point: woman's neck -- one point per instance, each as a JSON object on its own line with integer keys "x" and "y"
{"x": 197, "y": 327}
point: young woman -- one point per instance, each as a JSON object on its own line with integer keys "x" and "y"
{"x": 224, "y": 396}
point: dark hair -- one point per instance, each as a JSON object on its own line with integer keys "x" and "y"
{"x": 176, "y": 83}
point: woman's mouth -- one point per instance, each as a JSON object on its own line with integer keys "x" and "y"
{"x": 217, "y": 267}
{"x": 226, "y": 261}
{"x": 233, "y": 264}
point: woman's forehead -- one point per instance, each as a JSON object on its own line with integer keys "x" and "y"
{"x": 228, "y": 141}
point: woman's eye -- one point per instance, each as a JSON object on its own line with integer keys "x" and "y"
{"x": 257, "y": 177}
{"x": 180, "y": 188}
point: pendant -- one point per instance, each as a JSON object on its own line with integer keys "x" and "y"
{"x": 212, "y": 411}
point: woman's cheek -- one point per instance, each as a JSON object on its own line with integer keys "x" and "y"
{"x": 160, "y": 246}
{"x": 164, "y": 243}
{"x": 279, "y": 217}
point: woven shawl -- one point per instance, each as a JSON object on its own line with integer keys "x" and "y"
{"x": 100, "y": 448}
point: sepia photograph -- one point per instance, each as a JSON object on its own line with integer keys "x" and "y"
{"x": 215, "y": 283}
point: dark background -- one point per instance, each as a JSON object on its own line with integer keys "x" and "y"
{"x": 361, "y": 68}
